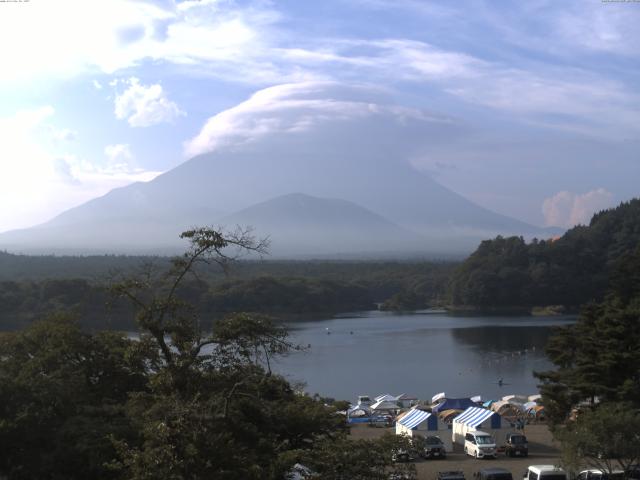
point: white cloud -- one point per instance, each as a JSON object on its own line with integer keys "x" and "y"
{"x": 248, "y": 43}
{"x": 97, "y": 85}
{"x": 145, "y": 105}
{"x": 64, "y": 135}
{"x": 566, "y": 209}
{"x": 38, "y": 182}
{"x": 119, "y": 157}
{"x": 299, "y": 107}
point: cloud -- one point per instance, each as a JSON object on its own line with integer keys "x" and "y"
{"x": 566, "y": 209}
{"x": 291, "y": 109}
{"x": 97, "y": 85}
{"x": 64, "y": 135}
{"x": 38, "y": 181}
{"x": 145, "y": 105}
{"x": 119, "y": 157}
{"x": 251, "y": 42}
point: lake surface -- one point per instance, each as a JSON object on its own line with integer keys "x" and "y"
{"x": 372, "y": 353}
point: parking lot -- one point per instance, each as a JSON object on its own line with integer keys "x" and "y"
{"x": 541, "y": 451}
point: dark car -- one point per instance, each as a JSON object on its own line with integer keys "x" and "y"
{"x": 433, "y": 448}
{"x": 516, "y": 445}
{"x": 496, "y": 473}
{"x": 451, "y": 475}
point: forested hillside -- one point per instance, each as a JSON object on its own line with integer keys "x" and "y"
{"x": 570, "y": 271}
{"x": 285, "y": 289}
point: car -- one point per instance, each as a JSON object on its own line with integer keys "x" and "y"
{"x": 516, "y": 445}
{"x": 451, "y": 475}
{"x": 433, "y": 448}
{"x": 597, "y": 474}
{"x": 479, "y": 445}
{"x": 493, "y": 474}
{"x": 544, "y": 472}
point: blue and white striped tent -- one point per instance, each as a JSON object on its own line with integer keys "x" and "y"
{"x": 415, "y": 417}
{"x": 477, "y": 418}
{"x": 419, "y": 422}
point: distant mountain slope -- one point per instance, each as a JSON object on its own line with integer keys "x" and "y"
{"x": 299, "y": 224}
{"x": 572, "y": 270}
{"x": 147, "y": 217}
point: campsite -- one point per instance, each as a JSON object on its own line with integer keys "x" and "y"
{"x": 449, "y": 419}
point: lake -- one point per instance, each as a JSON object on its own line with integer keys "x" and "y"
{"x": 371, "y": 353}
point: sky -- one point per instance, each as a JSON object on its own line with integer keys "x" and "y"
{"x": 531, "y": 109}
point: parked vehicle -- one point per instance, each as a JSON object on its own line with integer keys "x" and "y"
{"x": 493, "y": 474}
{"x": 479, "y": 445}
{"x": 597, "y": 474}
{"x": 516, "y": 445}
{"x": 544, "y": 472}
{"x": 451, "y": 475}
{"x": 433, "y": 448}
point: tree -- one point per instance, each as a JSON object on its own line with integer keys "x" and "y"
{"x": 344, "y": 459}
{"x": 214, "y": 408}
{"x": 598, "y": 378}
{"x": 606, "y": 438}
{"x": 597, "y": 358}
{"x": 62, "y": 394}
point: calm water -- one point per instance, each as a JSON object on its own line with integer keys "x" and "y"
{"x": 420, "y": 354}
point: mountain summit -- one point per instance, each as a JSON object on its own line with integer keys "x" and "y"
{"x": 349, "y": 207}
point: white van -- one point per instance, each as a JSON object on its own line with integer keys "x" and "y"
{"x": 479, "y": 445}
{"x": 544, "y": 472}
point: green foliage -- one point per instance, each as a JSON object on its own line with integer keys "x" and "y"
{"x": 598, "y": 356}
{"x": 606, "y": 438}
{"x": 344, "y": 459}
{"x": 287, "y": 289}
{"x": 572, "y": 270}
{"x": 62, "y": 393}
{"x": 214, "y": 409}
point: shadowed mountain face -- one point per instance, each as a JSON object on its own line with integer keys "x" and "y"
{"x": 383, "y": 206}
{"x": 299, "y": 224}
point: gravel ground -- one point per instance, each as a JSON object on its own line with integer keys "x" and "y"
{"x": 541, "y": 451}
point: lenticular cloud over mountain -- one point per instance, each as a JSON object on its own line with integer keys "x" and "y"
{"x": 344, "y": 150}
{"x": 310, "y": 108}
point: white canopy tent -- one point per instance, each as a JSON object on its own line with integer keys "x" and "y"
{"x": 384, "y": 406}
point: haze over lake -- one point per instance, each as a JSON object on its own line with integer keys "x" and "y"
{"x": 420, "y": 354}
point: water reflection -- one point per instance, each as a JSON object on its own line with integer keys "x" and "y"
{"x": 420, "y": 354}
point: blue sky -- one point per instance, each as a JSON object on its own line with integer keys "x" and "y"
{"x": 541, "y": 99}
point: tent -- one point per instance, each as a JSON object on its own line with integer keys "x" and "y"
{"x": 536, "y": 412}
{"x": 405, "y": 400}
{"x": 477, "y": 418}
{"x": 438, "y": 396}
{"x": 516, "y": 399}
{"x": 454, "y": 404}
{"x": 385, "y": 398}
{"x": 447, "y": 416}
{"x": 384, "y": 406}
{"x": 418, "y": 422}
{"x": 359, "y": 411}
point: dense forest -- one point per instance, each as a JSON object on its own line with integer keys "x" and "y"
{"x": 570, "y": 271}
{"x": 284, "y": 289}
{"x": 189, "y": 399}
